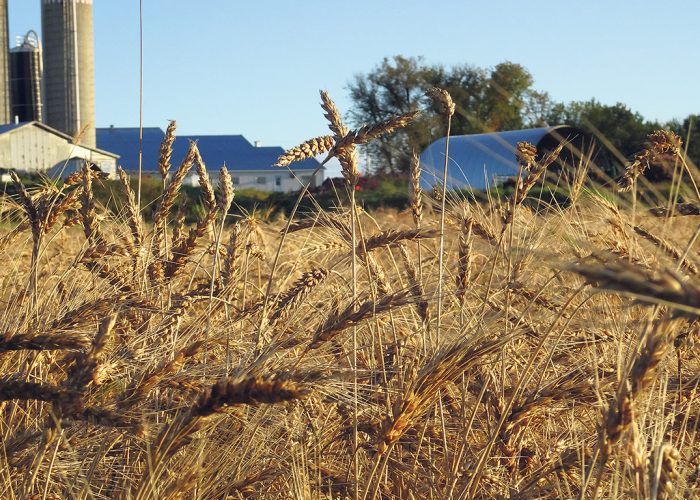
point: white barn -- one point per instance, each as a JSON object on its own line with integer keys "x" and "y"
{"x": 33, "y": 147}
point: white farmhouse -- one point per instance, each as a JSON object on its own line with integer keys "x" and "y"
{"x": 250, "y": 166}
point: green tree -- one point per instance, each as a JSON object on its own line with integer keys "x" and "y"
{"x": 395, "y": 86}
{"x": 486, "y": 100}
{"x": 504, "y": 97}
{"x": 689, "y": 131}
{"x": 538, "y": 107}
{"x": 617, "y": 126}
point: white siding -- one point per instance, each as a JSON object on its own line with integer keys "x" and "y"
{"x": 32, "y": 148}
{"x": 265, "y": 180}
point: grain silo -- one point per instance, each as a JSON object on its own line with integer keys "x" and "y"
{"x": 25, "y": 79}
{"x": 69, "y": 67}
{"x": 5, "y": 116}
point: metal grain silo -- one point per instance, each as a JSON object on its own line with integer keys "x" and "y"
{"x": 69, "y": 67}
{"x": 25, "y": 79}
{"x": 5, "y": 116}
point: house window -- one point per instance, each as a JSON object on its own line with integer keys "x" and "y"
{"x": 305, "y": 178}
{"x": 236, "y": 181}
{"x": 278, "y": 180}
{"x": 262, "y": 180}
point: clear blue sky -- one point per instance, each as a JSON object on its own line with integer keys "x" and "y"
{"x": 255, "y": 67}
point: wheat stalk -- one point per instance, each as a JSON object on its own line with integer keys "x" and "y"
{"x": 166, "y": 150}
{"x": 659, "y": 142}
{"x": 309, "y": 149}
{"x": 133, "y": 215}
{"x": 354, "y": 314}
{"x": 269, "y": 389}
{"x": 447, "y": 108}
{"x": 392, "y": 237}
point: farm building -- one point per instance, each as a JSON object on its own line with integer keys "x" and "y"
{"x": 481, "y": 161}
{"x": 33, "y": 147}
{"x": 250, "y": 166}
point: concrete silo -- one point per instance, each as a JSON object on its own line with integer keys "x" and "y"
{"x": 25, "y": 79}
{"x": 69, "y": 88}
{"x": 5, "y": 116}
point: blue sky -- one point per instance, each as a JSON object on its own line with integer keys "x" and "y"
{"x": 255, "y": 67}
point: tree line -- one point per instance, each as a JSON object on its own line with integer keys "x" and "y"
{"x": 487, "y": 100}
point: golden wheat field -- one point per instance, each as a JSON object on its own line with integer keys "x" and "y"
{"x": 457, "y": 350}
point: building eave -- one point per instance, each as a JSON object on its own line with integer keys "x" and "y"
{"x": 62, "y": 135}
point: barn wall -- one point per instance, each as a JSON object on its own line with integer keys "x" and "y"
{"x": 34, "y": 149}
{"x": 249, "y": 179}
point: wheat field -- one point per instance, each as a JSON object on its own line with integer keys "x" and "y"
{"x": 455, "y": 350}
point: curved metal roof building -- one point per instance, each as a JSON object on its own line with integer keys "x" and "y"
{"x": 481, "y": 161}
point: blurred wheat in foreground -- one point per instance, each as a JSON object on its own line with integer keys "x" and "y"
{"x": 320, "y": 356}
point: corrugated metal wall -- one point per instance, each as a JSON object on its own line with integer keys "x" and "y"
{"x": 33, "y": 149}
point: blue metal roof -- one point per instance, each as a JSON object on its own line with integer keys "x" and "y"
{"x": 234, "y": 150}
{"x": 474, "y": 160}
{"x": 10, "y": 126}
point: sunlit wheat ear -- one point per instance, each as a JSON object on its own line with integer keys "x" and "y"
{"x": 182, "y": 252}
{"x": 663, "y": 471}
{"x": 378, "y": 276}
{"x": 76, "y": 177}
{"x": 525, "y": 154}
{"x": 137, "y": 391}
{"x": 156, "y": 268}
{"x": 444, "y": 100}
{"x": 226, "y": 191}
{"x": 34, "y": 210}
{"x": 268, "y": 389}
{"x": 208, "y": 195}
{"x": 352, "y": 315}
{"x": 445, "y": 366}
{"x": 69, "y": 203}
{"x": 84, "y": 370}
{"x": 335, "y": 122}
{"x": 233, "y": 247}
{"x": 91, "y": 224}
{"x": 347, "y": 156}
{"x": 416, "y": 191}
{"x": 416, "y": 287}
{"x": 661, "y": 287}
{"x": 15, "y": 389}
{"x": 132, "y": 212}
{"x": 179, "y": 224}
{"x": 447, "y": 108}
{"x": 393, "y": 237}
{"x": 620, "y": 412}
{"x": 659, "y": 143}
{"x": 667, "y": 248}
{"x": 368, "y": 133}
{"x": 309, "y": 149}
{"x": 173, "y": 187}
{"x": 30, "y": 342}
{"x": 465, "y": 258}
{"x": 291, "y": 299}
{"x": 25, "y": 198}
{"x": 332, "y": 221}
{"x": 166, "y": 150}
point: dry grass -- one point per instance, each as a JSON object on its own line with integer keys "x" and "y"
{"x": 313, "y": 358}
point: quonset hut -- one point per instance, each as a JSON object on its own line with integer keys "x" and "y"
{"x": 482, "y": 161}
